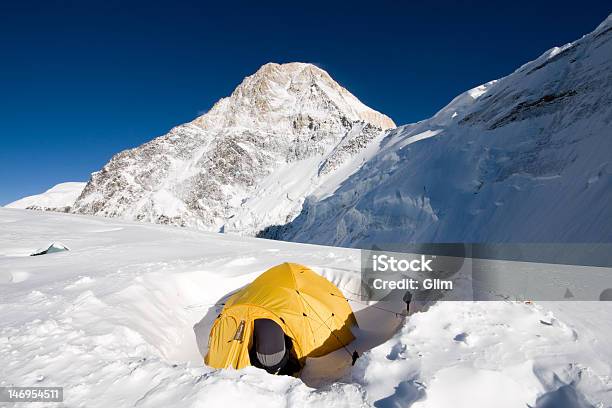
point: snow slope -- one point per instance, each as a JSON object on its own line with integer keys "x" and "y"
{"x": 248, "y": 162}
{"x": 112, "y": 321}
{"x": 526, "y": 158}
{"x": 60, "y": 197}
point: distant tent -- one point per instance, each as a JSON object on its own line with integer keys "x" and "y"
{"x": 313, "y": 314}
{"x": 54, "y": 247}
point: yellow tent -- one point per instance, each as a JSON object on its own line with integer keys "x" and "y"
{"x": 309, "y": 308}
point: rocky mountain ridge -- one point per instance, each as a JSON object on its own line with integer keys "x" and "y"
{"x": 207, "y": 173}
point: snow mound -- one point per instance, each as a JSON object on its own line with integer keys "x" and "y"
{"x": 60, "y": 197}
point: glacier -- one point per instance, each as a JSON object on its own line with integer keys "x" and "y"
{"x": 526, "y": 158}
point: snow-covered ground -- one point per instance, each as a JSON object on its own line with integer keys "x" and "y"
{"x": 112, "y": 321}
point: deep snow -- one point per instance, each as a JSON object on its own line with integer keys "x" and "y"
{"x": 112, "y": 321}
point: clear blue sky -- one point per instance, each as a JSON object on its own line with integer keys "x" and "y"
{"x": 82, "y": 80}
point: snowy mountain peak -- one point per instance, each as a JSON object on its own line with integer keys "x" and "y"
{"x": 278, "y": 91}
{"x": 247, "y": 163}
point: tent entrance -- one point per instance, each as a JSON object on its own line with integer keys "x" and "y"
{"x": 271, "y": 349}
